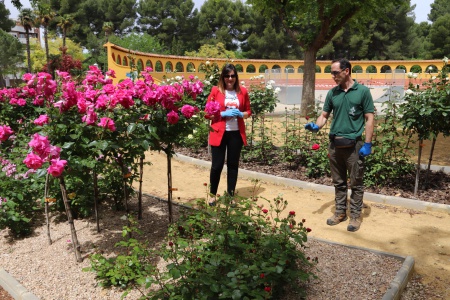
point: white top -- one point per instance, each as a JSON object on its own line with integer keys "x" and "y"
{"x": 231, "y": 101}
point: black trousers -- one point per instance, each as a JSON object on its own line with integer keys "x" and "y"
{"x": 231, "y": 144}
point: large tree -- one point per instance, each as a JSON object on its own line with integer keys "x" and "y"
{"x": 5, "y": 22}
{"x": 11, "y": 55}
{"x": 223, "y": 21}
{"x": 267, "y": 39}
{"x": 440, "y": 37}
{"x": 439, "y": 8}
{"x": 313, "y": 24}
{"x": 173, "y": 22}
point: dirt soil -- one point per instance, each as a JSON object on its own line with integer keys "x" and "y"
{"x": 422, "y": 234}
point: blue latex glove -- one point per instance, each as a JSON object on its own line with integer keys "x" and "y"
{"x": 227, "y": 113}
{"x": 237, "y": 113}
{"x": 312, "y": 127}
{"x": 365, "y": 150}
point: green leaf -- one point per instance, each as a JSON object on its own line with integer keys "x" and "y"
{"x": 67, "y": 145}
{"x": 175, "y": 273}
{"x": 131, "y": 128}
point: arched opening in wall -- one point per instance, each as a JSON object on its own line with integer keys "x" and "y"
{"x": 125, "y": 61}
{"x": 202, "y": 68}
{"x": 357, "y": 69}
{"x": 113, "y": 57}
{"x": 300, "y": 69}
{"x": 250, "y": 69}
{"x": 158, "y": 66}
{"x": 239, "y": 68}
{"x": 119, "y": 60}
{"x": 190, "y": 67}
{"x": 148, "y": 64}
{"x": 431, "y": 69}
{"x": 318, "y": 69}
{"x": 401, "y": 67}
{"x": 371, "y": 69}
{"x": 262, "y": 69}
{"x": 386, "y": 69}
{"x": 327, "y": 69}
{"x": 289, "y": 69}
{"x": 276, "y": 67}
{"x": 179, "y": 67}
{"x": 140, "y": 65}
{"x": 169, "y": 67}
{"x": 416, "y": 69}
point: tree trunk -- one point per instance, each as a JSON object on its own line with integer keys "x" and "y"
{"x": 27, "y": 34}
{"x": 141, "y": 175}
{"x": 416, "y": 186}
{"x": 429, "y": 162}
{"x": 47, "y": 55}
{"x": 169, "y": 184}
{"x": 308, "y": 102}
{"x": 75, "y": 243}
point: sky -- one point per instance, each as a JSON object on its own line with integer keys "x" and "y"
{"x": 421, "y": 11}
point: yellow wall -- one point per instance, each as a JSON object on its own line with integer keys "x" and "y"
{"x": 169, "y": 63}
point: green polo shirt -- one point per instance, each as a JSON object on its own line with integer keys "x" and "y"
{"x": 348, "y": 109}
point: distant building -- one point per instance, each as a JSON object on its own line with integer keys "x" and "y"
{"x": 19, "y": 32}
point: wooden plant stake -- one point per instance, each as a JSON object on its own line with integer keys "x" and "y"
{"x": 47, "y": 219}
{"x": 75, "y": 243}
{"x": 95, "y": 178}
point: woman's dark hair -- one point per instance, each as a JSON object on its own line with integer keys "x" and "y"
{"x": 225, "y": 71}
{"x": 343, "y": 64}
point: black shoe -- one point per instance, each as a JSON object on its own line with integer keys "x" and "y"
{"x": 212, "y": 203}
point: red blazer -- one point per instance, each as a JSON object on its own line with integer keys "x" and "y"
{"x": 218, "y": 124}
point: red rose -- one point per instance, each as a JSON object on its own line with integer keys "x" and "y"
{"x": 308, "y": 229}
{"x": 170, "y": 244}
{"x": 267, "y": 289}
{"x": 307, "y": 118}
{"x": 292, "y": 213}
{"x": 303, "y": 220}
{"x": 261, "y": 275}
{"x": 315, "y": 147}
{"x": 265, "y": 211}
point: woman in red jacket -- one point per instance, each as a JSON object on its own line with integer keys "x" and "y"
{"x": 227, "y": 107}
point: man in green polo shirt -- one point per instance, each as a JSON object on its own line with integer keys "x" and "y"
{"x": 353, "y": 115}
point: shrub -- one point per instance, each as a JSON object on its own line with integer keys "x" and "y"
{"x": 237, "y": 250}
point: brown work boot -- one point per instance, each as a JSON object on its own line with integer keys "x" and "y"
{"x": 355, "y": 223}
{"x": 336, "y": 219}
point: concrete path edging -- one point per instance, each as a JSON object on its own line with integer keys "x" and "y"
{"x": 389, "y": 200}
{"x": 14, "y": 288}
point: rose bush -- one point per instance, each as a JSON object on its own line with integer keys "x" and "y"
{"x": 84, "y": 128}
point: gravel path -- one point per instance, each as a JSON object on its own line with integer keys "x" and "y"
{"x": 51, "y": 272}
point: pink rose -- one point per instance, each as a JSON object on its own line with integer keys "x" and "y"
{"x": 90, "y": 118}
{"x": 107, "y": 123}
{"x": 56, "y": 167}
{"x": 33, "y": 161}
{"x": 172, "y": 117}
{"x": 40, "y": 145}
{"x": 188, "y": 111}
{"x": 5, "y": 132}
{"x": 43, "y": 119}
{"x": 212, "y": 108}
{"x": 315, "y": 147}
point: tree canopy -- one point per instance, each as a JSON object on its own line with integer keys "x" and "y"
{"x": 12, "y": 54}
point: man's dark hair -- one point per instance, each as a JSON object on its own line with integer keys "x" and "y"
{"x": 343, "y": 64}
